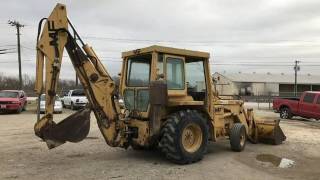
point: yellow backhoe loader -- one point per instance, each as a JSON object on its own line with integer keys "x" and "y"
{"x": 169, "y": 96}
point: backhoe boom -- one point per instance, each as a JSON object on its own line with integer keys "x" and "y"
{"x": 97, "y": 83}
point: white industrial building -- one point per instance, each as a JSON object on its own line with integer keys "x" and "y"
{"x": 255, "y": 84}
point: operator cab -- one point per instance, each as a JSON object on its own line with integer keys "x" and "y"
{"x": 184, "y": 72}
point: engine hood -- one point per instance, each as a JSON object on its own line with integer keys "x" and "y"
{"x": 8, "y": 99}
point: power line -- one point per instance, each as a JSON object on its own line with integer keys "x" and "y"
{"x": 229, "y": 57}
{"x": 210, "y": 42}
{"x": 8, "y": 45}
{"x": 211, "y": 64}
{"x": 29, "y": 60}
{"x": 6, "y": 49}
{"x": 194, "y": 41}
{"x": 8, "y": 52}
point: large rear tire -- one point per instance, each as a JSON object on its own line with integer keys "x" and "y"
{"x": 184, "y": 137}
{"x": 238, "y": 137}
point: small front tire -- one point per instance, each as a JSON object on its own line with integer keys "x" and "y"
{"x": 238, "y": 137}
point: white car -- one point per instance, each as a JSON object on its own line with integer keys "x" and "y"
{"x": 57, "y": 104}
{"x": 75, "y": 99}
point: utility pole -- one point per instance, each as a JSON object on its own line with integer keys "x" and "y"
{"x": 296, "y": 69}
{"x": 18, "y": 26}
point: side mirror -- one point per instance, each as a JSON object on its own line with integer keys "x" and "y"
{"x": 21, "y": 96}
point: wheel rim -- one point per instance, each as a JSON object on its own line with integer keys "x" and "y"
{"x": 192, "y": 137}
{"x": 284, "y": 113}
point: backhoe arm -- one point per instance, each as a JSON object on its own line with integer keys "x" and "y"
{"x": 97, "y": 83}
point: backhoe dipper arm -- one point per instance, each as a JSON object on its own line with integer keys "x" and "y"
{"x": 97, "y": 83}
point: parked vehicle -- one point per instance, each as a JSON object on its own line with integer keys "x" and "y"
{"x": 307, "y": 106}
{"x": 57, "y": 104}
{"x": 75, "y": 99}
{"x": 13, "y": 101}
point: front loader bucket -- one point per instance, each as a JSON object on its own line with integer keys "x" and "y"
{"x": 74, "y": 128}
{"x": 270, "y": 132}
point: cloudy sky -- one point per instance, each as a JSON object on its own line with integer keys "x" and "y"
{"x": 247, "y": 35}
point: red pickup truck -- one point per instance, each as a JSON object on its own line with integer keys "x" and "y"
{"x": 12, "y": 101}
{"x": 307, "y": 106}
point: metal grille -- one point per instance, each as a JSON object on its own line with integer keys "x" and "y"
{"x": 5, "y": 102}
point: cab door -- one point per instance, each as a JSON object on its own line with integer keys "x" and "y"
{"x": 175, "y": 75}
{"x": 317, "y": 108}
{"x": 307, "y": 105}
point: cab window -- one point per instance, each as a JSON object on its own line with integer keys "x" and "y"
{"x": 318, "y": 100}
{"x": 195, "y": 78}
{"x": 175, "y": 76}
{"x": 138, "y": 71}
{"x": 78, "y": 92}
{"x": 309, "y": 97}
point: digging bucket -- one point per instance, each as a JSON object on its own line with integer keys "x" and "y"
{"x": 74, "y": 128}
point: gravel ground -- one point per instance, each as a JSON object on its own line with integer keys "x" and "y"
{"x": 24, "y": 156}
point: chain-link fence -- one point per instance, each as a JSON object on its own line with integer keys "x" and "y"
{"x": 263, "y": 100}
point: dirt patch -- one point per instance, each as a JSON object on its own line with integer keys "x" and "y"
{"x": 76, "y": 155}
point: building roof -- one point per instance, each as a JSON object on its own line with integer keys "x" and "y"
{"x": 270, "y": 78}
{"x": 168, "y": 50}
